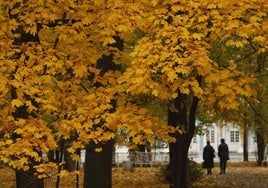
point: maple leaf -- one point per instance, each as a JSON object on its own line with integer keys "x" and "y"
{"x": 16, "y": 103}
{"x": 98, "y": 149}
{"x": 197, "y": 36}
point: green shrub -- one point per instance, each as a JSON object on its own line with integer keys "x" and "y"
{"x": 163, "y": 174}
{"x": 2, "y": 165}
{"x": 194, "y": 173}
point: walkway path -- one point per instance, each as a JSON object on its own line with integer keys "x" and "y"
{"x": 236, "y": 177}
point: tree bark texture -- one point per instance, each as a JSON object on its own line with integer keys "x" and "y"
{"x": 245, "y": 145}
{"x": 27, "y": 179}
{"x": 98, "y": 166}
{"x": 24, "y": 179}
{"x": 181, "y": 114}
{"x": 260, "y": 146}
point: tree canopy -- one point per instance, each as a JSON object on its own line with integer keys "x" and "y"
{"x": 56, "y": 82}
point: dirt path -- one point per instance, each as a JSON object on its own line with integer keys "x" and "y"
{"x": 236, "y": 177}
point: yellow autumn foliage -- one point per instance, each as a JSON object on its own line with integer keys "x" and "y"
{"x": 49, "y": 66}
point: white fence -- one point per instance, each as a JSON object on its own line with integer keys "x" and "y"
{"x": 142, "y": 158}
{"x": 162, "y": 158}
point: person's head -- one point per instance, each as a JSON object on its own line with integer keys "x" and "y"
{"x": 208, "y": 142}
{"x": 222, "y": 140}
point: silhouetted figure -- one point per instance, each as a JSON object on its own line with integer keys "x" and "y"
{"x": 208, "y": 156}
{"x": 223, "y": 153}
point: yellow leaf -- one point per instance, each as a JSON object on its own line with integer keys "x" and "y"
{"x": 71, "y": 150}
{"x": 23, "y": 160}
{"x": 4, "y": 159}
{"x": 239, "y": 44}
{"x": 260, "y": 39}
{"x": 197, "y": 36}
{"x": 172, "y": 75}
{"x": 16, "y": 103}
{"x": 174, "y": 95}
{"x": 80, "y": 70}
{"x": 255, "y": 19}
{"x": 8, "y": 142}
{"x": 212, "y": 6}
{"x": 122, "y": 28}
{"x": 108, "y": 40}
{"x": 148, "y": 131}
{"x": 202, "y": 18}
{"x": 46, "y": 78}
{"x": 155, "y": 92}
{"x": 98, "y": 149}
{"x": 18, "y": 131}
{"x": 63, "y": 173}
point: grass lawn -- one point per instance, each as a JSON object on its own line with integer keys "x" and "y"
{"x": 246, "y": 175}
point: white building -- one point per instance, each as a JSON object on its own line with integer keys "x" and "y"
{"x": 233, "y": 136}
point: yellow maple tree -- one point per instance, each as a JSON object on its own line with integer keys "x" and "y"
{"x": 175, "y": 61}
{"x": 50, "y": 59}
{"x": 54, "y": 62}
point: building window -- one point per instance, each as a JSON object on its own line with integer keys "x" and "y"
{"x": 254, "y": 139}
{"x": 194, "y": 139}
{"x": 234, "y": 137}
{"x": 210, "y": 134}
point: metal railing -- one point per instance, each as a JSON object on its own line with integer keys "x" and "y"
{"x": 162, "y": 158}
{"x": 141, "y": 158}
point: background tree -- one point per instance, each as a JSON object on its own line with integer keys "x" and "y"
{"x": 175, "y": 63}
{"x": 248, "y": 62}
{"x": 260, "y": 112}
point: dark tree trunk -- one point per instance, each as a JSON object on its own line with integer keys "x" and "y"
{"x": 98, "y": 166}
{"x": 181, "y": 113}
{"x": 51, "y": 156}
{"x": 178, "y": 161}
{"x": 259, "y": 114}
{"x": 245, "y": 145}
{"x": 24, "y": 179}
{"x": 59, "y": 159}
{"x": 141, "y": 148}
{"x": 70, "y": 164}
{"x": 260, "y": 146}
{"x": 27, "y": 179}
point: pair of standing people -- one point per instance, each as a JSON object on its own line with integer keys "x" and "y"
{"x": 209, "y": 154}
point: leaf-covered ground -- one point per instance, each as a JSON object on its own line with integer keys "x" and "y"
{"x": 246, "y": 175}
{"x": 239, "y": 175}
{"x": 236, "y": 177}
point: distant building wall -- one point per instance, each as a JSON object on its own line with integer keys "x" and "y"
{"x": 232, "y": 134}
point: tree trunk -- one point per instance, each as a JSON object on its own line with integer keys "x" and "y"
{"x": 27, "y": 179}
{"x": 179, "y": 115}
{"x": 260, "y": 146}
{"x": 141, "y": 148}
{"x": 70, "y": 164}
{"x": 98, "y": 166}
{"x": 178, "y": 161}
{"x": 245, "y": 145}
{"x": 24, "y": 179}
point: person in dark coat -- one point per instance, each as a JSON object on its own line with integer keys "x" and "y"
{"x": 208, "y": 156}
{"x": 223, "y": 153}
